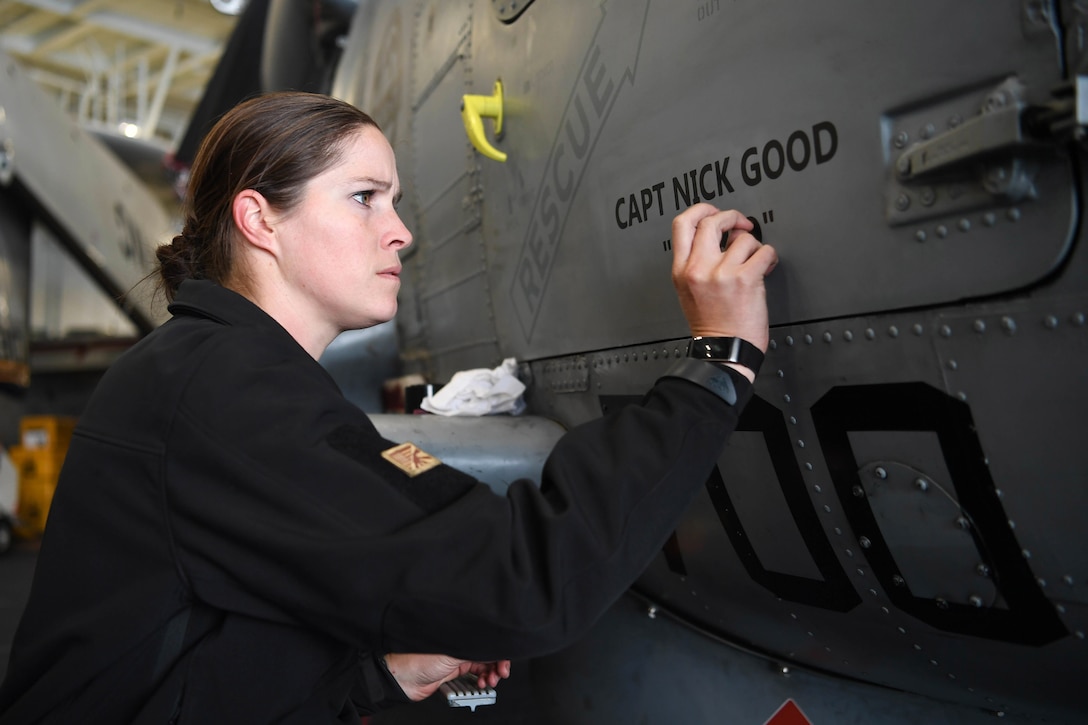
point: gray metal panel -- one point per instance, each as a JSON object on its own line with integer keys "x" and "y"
{"x": 609, "y": 108}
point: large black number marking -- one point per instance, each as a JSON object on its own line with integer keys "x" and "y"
{"x": 1029, "y": 618}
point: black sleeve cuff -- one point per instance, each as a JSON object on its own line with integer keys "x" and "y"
{"x": 375, "y": 688}
{"x": 722, "y": 380}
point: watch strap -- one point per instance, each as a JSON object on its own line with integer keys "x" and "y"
{"x": 726, "y": 350}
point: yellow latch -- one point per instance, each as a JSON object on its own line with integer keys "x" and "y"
{"x": 473, "y": 111}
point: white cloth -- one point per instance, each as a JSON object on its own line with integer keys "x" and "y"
{"x": 479, "y": 392}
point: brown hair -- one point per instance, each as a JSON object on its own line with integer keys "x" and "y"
{"x": 273, "y": 144}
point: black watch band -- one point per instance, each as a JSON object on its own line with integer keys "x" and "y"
{"x": 726, "y": 349}
{"x": 718, "y": 379}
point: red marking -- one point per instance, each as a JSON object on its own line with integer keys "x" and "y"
{"x": 789, "y": 714}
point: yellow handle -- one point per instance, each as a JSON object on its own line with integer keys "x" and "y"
{"x": 473, "y": 111}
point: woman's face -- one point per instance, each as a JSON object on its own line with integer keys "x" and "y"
{"x": 340, "y": 243}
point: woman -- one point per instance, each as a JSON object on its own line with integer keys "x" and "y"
{"x": 227, "y": 542}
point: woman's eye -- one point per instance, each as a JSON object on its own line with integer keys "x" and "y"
{"x": 363, "y": 197}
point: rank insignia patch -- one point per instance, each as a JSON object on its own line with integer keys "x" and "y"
{"x": 410, "y": 459}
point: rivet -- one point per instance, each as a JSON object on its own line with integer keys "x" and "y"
{"x": 975, "y": 600}
{"x": 1025, "y": 553}
{"x": 922, "y": 484}
{"x": 1013, "y": 214}
{"x": 962, "y": 396}
{"x": 817, "y": 488}
{"x": 793, "y": 420}
{"x": 827, "y": 509}
{"x": 1008, "y": 325}
{"x": 1079, "y": 634}
{"x": 1012, "y": 524}
{"x": 902, "y": 202}
{"x": 865, "y": 543}
{"x": 1050, "y": 322}
{"x": 893, "y": 331}
{"x": 928, "y": 130}
{"x": 848, "y": 336}
{"x": 872, "y": 591}
{"x": 902, "y": 630}
{"x": 979, "y": 326}
{"x": 946, "y": 331}
{"x": 963, "y": 523}
{"x": 1059, "y": 609}
{"x": 964, "y": 225}
{"x": 917, "y": 329}
{"x": 989, "y": 219}
{"x": 942, "y": 603}
{"x": 808, "y": 466}
{"x": 789, "y": 340}
{"x": 870, "y": 334}
{"x": 1068, "y": 580}
{"x": 651, "y": 612}
{"x": 808, "y": 339}
{"x": 861, "y": 572}
{"x": 927, "y": 196}
{"x": 827, "y": 337}
{"x": 942, "y": 231}
{"x": 1078, "y": 319}
{"x": 838, "y": 531}
{"x": 858, "y": 491}
{"x": 850, "y": 553}
{"x": 787, "y": 397}
{"x": 800, "y": 444}
{"x": 918, "y": 647}
{"x": 953, "y": 365}
{"x": 774, "y": 344}
{"x": 1041, "y": 582}
{"x": 901, "y": 139}
{"x": 885, "y": 610}
{"x": 880, "y": 473}
{"x": 920, "y": 235}
{"x": 934, "y": 663}
{"x": 781, "y": 374}
{"x": 898, "y": 580}
{"x": 951, "y": 676}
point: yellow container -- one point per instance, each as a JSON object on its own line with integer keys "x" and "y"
{"x": 38, "y": 461}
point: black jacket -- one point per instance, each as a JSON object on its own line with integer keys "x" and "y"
{"x": 226, "y": 539}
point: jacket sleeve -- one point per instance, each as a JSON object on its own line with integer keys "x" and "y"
{"x": 282, "y": 507}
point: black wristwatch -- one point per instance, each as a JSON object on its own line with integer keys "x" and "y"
{"x": 726, "y": 350}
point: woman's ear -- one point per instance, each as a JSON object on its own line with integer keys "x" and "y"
{"x": 252, "y": 218}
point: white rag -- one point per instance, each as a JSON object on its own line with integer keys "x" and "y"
{"x": 479, "y": 392}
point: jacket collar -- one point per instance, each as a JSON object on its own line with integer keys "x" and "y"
{"x": 204, "y": 298}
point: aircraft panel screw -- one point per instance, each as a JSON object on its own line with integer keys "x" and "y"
{"x": 922, "y": 484}
{"x": 898, "y": 580}
{"x": 917, "y": 330}
{"x": 652, "y": 612}
{"x": 808, "y": 339}
{"x": 1078, "y": 319}
{"x": 781, "y": 374}
{"x": 942, "y": 231}
{"x": 880, "y": 473}
{"x": 1008, "y": 325}
{"x": 928, "y": 130}
{"x": 901, "y": 139}
{"x": 865, "y": 543}
{"x": 946, "y": 331}
{"x": 893, "y": 331}
{"x": 817, "y": 488}
{"x": 1013, "y": 214}
{"x": 953, "y": 365}
{"x": 1050, "y": 322}
{"x": 979, "y": 326}
{"x": 989, "y": 219}
{"x": 927, "y": 196}
{"x": 848, "y": 336}
{"x": 975, "y": 600}
{"x": 942, "y": 604}
{"x": 789, "y": 340}
{"x": 964, "y": 225}
{"x": 827, "y": 337}
{"x": 870, "y": 334}
{"x": 920, "y": 235}
{"x": 902, "y": 202}
{"x": 858, "y": 491}
{"x": 963, "y": 523}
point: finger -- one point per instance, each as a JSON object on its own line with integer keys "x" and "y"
{"x": 683, "y": 231}
{"x": 707, "y": 244}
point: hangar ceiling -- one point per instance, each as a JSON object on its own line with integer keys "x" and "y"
{"x": 129, "y": 67}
